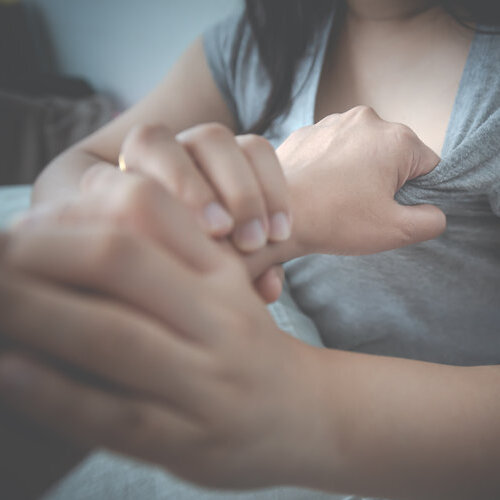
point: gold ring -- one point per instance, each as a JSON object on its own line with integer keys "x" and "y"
{"x": 121, "y": 163}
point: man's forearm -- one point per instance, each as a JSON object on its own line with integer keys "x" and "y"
{"x": 408, "y": 430}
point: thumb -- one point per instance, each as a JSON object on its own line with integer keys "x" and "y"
{"x": 424, "y": 161}
{"x": 419, "y": 223}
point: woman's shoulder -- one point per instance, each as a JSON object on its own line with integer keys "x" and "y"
{"x": 232, "y": 53}
{"x": 233, "y": 57}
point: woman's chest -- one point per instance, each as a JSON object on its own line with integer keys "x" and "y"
{"x": 403, "y": 78}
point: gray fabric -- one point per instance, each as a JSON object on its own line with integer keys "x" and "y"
{"x": 436, "y": 301}
{"x": 108, "y": 477}
{"x": 14, "y": 200}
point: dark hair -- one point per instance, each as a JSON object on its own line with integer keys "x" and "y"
{"x": 283, "y": 29}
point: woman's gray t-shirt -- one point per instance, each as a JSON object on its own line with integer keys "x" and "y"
{"x": 436, "y": 301}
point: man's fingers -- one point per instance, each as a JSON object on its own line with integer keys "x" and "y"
{"x": 118, "y": 262}
{"x": 101, "y": 337}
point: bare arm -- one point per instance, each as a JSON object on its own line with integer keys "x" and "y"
{"x": 187, "y": 96}
{"x": 326, "y": 419}
{"x": 408, "y": 429}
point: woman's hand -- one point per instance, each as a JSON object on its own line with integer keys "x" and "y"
{"x": 234, "y": 185}
{"x": 192, "y": 372}
{"x": 343, "y": 174}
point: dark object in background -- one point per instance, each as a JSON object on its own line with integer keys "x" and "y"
{"x": 33, "y": 130}
{"x": 41, "y": 113}
{"x": 32, "y": 459}
{"x": 26, "y": 65}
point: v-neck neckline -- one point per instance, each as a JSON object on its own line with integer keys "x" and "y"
{"x": 316, "y": 72}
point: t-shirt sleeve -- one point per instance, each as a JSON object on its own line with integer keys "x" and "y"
{"x": 219, "y": 45}
{"x": 233, "y": 58}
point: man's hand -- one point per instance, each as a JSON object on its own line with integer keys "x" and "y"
{"x": 189, "y": 369}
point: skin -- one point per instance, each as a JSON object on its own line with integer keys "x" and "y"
{"x": 359, "y": 422}
{"x": 197, "y": 425}
{"x": 404, "y": 59}
{"x": 132, "y": 202}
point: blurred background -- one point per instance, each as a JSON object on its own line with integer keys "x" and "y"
{"x": 69, "y": 66}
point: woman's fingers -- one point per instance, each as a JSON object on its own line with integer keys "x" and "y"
{"x": 232, "y": 184}
{"x": 154, "y": 152}
{"x": 267, "y": 169}
{"x": 215, "y": 151}
{"x": 118, "y": 262}
{"x": 97, "y": 336}
{"x": 92, "y": 416}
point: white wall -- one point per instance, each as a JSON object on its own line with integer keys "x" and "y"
{"x": 124, "y": 47}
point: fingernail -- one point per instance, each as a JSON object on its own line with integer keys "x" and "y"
{"x": 280, "y": 227}
{"x": 217, "y": 218}
{"x": 251, "y": 236}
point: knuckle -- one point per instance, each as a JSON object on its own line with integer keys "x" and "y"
{"x": 245, "y": 203}
{"x": 402, "y": 134}
{"x": 139, "y": 139}
{"x": 327, "y": 120}
{"x": 405, "y": 143}
{"x": 252, "y": 144}
{"x": 211, "y": 132}
{"x": 363, "y": 109}
{"x": 144, "y": 134}
{"x": 362, "y": 113}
